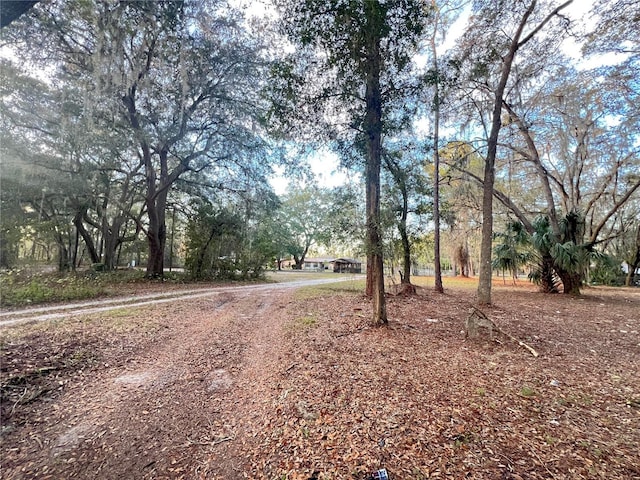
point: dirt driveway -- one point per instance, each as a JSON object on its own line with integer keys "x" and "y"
{"x": 268, "y": 383}
{"x": 154, "y": 398}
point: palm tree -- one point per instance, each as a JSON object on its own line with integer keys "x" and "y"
{"x": 514, "y": 250}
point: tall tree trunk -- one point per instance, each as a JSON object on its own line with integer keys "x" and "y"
{"x": 484, "y": 283}
{"x": 373, "y": 129}
{"x": 76, "y": 243}
{"x": 406, "y": 247}
{"x": 156, "y": 230}
{"x": 112, "y": 240}
{"x": 63, "y": 254}
{"x": 436, "y": 157}
{"x": 156, "y": 236}
{"x": 368, "y": 289}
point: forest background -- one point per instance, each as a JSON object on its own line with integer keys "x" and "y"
{"x": 146, "y": 133}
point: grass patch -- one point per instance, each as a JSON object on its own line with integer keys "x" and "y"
{"x": 527, "y": 392}
{"x": 465, "y": 283}
{"x": 303, "y": 323}
{"x": 576, "y": 400}
{"x": 21, "y": 287}
{"x": 285, "y": 276}
{"x": 328, "y": 289}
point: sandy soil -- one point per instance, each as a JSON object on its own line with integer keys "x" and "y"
{"x": 282, "y": 385}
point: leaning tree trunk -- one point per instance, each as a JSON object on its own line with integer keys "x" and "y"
{"x": 571, "y": 281}
{"x": 86, "y": 236}
{"x": 484, "y": 282}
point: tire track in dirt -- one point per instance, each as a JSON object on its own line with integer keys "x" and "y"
{"x": 172, "y": 410}
{"x": 257, "y": 386}
{"x": 55, "y": 312}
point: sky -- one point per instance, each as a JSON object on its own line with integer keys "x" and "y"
{"x": 325, "y": 165}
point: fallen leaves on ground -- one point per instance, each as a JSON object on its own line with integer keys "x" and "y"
{"x": 271, "y": 386}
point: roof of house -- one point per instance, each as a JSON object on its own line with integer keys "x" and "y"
{"x": 319, "y": 259}
{"x": 346, "y": 260}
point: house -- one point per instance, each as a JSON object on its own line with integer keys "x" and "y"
{"x": 316, "y": 264}
{"x": 321, "y": 264}
{"x": 347, "y": 265}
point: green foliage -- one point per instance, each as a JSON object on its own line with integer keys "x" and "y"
{"x": 305, "y": 220}
{"x": 345, "y": 219}
{"x": 561, "y": 254}
{"x": 513, "y": 250}
{"x": 569, "y": 256}
{"x": 317, "y": 91}
{"x": 18, "y": 288}
{"x": 24, "y": 287}
{"x": 606, "y": 270}
{"x": 304, "y": 323}
{"x": 224, "y": 244}
{"x": 165, "y": 92}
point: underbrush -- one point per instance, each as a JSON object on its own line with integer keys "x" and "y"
{"x": 23, "y": 287}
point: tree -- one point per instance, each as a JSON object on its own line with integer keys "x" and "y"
{"x": 232, "y": 241}
{"x": 346, "y": 220}
{"x": 180, "y": 77}
{"x": 443, "y": 17}
{"x": 359, "y": 51}
{"x": 436, "y": 156}
{"x": 304, "y": 214}
{"x": 611, "y": 34}
{"x": 589, "y": 172}
{"x": 462, "y": 201}
{"x": 512, "y": 253}
{"x": 92, "y": 172}
{"x": 407, "y": 193}
{"x": 510, "y": 28}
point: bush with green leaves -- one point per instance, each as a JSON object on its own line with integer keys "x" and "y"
{"x": 19, "y": 287}
{"x": 513, "y": 250}
{"x": 606, "y": 270}
{"x": 222, "y": 244}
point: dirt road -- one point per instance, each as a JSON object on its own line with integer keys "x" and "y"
{"x": 267, "y": 383}
{"x": 169, "y": 405}
{"x": 54, "y": 312}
